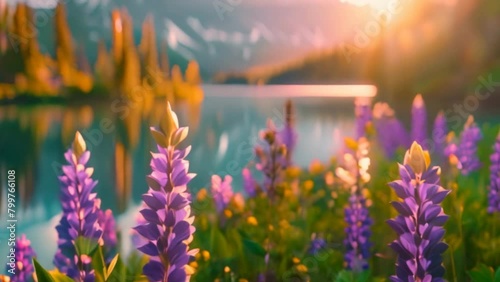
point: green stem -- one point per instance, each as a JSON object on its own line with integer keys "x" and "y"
{"x": 453, "y": 267}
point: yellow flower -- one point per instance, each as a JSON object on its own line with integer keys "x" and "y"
{"x": 239, "y": 202}
{"x": 316, "y": 167}
{"x": 308, "y": 185}
{"x": 228, "y": 213}
{"x": 252, "y": 220}
{"x": 202, "y": 195}
{"x": 242, "y": 280}
{"x": 205, "y": 254}
{"x": 293, "y": 172}
{"x": 329, "y": 178}
{"x": 193, "y": 264}
{"x": 454, "y": 161}
{"x": 227, "y": 269}
{"x": 296, "y": 260}
{"x": 284, "y": 224}
{"x": 351, "y": 143}
{"x": 271, "y": 228}
{"x": 302, "y": 268}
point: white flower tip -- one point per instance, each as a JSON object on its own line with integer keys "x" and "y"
{"x": 381, "y": 110}
{"x": 362, "y": 101}
{"x": 418, "y": 102}
{"x": 79, "y": 146}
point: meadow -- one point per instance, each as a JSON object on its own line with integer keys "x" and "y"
{"x": 406, "y": 206}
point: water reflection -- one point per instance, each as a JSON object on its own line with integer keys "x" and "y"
{"x": 223, "y": 131}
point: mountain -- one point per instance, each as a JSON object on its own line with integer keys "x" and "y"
{"x": 443, "y": 49}
{"x": 219, "y": 35}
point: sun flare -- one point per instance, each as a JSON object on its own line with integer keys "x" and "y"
{"x": 375, "y": 4}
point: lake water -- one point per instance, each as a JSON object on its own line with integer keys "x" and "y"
{"x": 223, "y": 130}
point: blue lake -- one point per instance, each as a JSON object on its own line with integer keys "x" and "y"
{"x": 223, "y": 131}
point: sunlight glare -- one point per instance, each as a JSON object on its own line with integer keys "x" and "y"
{"x": 378, "y": 5}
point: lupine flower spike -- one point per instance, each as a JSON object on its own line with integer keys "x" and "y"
{"x": 355, "y": 175}
{"x": 391, "y": 132}
{"x": 81, "y": 210}
{"x": 439, "y": 133}
{"x": 494, "y": 194}
{"x": 222, "y": 191}
{"x": 168, "y": 226}
{"x": 467, "y": 149}
{"x": 363, "y": 113}
{"x": 271, "y": 159}
{"x": 316, "y": 245}
{"x": 24, "y": 254}
{"x": 419, "y": 120}
{"x": 109, "y": 238}
{"x": 419, "y": 224}
{"x": 288, "y": 135}
{"x": 464, "y": 155}
{"x": 249, "y": 183}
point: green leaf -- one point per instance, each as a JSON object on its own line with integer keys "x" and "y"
{"x": 85, "y": 246}
{"x": 116, "y": 270}
{"x": 481, "y": 273}
{"x": 135, "y": 263}
{"x": 344, "y": 276}
{"x": 111, "y": 267}
{"x": 497, "y": 275}
{"x": 98, "y": 264}
{"x": 218, "y": 243}
{"x": 253, "y": 247}
{"x": 363, "y": 276}
{"x": 42, "y": 275}
{"x": 141, "y": 278}
{"x": 60, "y": 277}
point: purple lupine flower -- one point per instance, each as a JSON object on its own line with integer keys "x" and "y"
{"x": 168, "y": 225}
{"x": 137, "y": 239}
{"x": 467, "y": 149}
{"x": 439, "y": 133}
{"x": 494, "y": 193}
{"x": 363, "y": 113}
{"x": 354, "y": 174}
{"x": 80, "y": 213}
{"x": 249, "y": 183}
{"x": 288, "y": 135}
{"x": 419, "y": 120}
{"x": 419, "y": 224}
{"x": 271, "y": 158}
{"x": 316, "y": 245}
{"x": 23, "y": 269}
{"x": 109, "y": 239}
{"x": 391, "y": 133}
{"x": 222, "y": 192}
{"x": 358, "y": 233}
